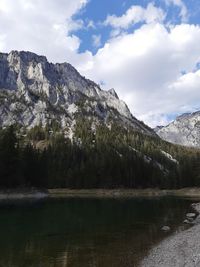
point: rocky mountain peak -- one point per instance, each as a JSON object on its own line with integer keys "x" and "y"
{"x": 183, "y": 116}
{"x": 184, "y": 130}
{"x": 113, "y": 93}
{"x": 34, "y": 91}
{"x": 25, "y": 57}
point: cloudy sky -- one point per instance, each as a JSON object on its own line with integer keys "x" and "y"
{"x": 149, "y": 51}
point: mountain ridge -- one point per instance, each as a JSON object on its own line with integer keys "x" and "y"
{"x": 59, "y": 129}
{"x": 184, "y": 130}
{"x": 34, "y": 91}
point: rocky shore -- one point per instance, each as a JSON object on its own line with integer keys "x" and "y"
{"x": 22, "y": 194}
{"x": 181, "y": 249}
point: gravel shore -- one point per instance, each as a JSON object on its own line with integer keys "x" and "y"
{"x": 179, "y": 250}
{"x": 22, "y": 194}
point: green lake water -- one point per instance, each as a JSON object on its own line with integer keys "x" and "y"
{"x": 85, "y": 232}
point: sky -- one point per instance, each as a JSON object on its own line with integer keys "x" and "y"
{"x": 148, "y": 51}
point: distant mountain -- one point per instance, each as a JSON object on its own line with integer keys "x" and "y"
{"x": 34, "y": 91}
{"x": 157, "y": 128}
{"x": 184, "y": 130}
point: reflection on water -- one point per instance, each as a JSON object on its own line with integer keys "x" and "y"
{"x": 84, "y": 232}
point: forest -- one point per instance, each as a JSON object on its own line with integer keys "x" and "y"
{"x": 107, "y": 157}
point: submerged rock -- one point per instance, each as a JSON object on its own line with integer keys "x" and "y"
{"x": 166, "y": 228}
{"x": 186, "y": 221}
{"x": 190, "y": 215}
{"x": 196, "y": 207}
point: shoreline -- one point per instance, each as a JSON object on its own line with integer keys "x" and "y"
{"x": 124, "y": 193}
{"x": 180, "y": 249}
{"x": 177, "y": 250}
{"x": 193, "y": 193}
{"x": 22, "y": 194}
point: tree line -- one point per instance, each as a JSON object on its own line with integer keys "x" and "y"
{"x": 107, "y": 157}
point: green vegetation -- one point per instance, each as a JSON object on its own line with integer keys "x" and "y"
{"x": 105, "y": 158}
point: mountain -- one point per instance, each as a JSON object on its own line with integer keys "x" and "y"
{"x": 51, "y": 103}
{"x": 184, "y": 130}
{"x": 34, "y": 91}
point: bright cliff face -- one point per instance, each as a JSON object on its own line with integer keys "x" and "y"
{"x": 34, "y": 91}
{"x": 185, "y": 130}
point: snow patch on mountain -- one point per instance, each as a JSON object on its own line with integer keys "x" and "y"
{"x": 167, "y": 155}
{"x": 149, "y": 160}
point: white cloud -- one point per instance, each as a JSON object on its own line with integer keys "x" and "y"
{"x": 91, "y": 25}
{"x": 134, "y": 15}
{"x": 96, "y": 40}
{"x": 43, "y": 27}
{"x": 145, "y": 68}
{"x": 182, "y": 6}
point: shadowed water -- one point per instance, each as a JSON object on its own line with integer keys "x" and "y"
{"x": 84, "y": 232}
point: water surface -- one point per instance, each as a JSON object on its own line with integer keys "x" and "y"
{"x": 84, "y": 232}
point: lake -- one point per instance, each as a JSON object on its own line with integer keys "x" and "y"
{"x": 85, "y": 232}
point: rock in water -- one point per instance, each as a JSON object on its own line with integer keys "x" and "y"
{"x": 186, "y": 221}
{"x": 190, "y": 215}
{"x": 165, "y": 228}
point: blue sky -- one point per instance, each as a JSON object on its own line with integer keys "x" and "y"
{"x": 97, "y": 11}
{"x": 147, "y": 50}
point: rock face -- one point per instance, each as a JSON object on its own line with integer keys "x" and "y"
{"x": 34, "y": 91}
{"x": 185, "y": 130}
